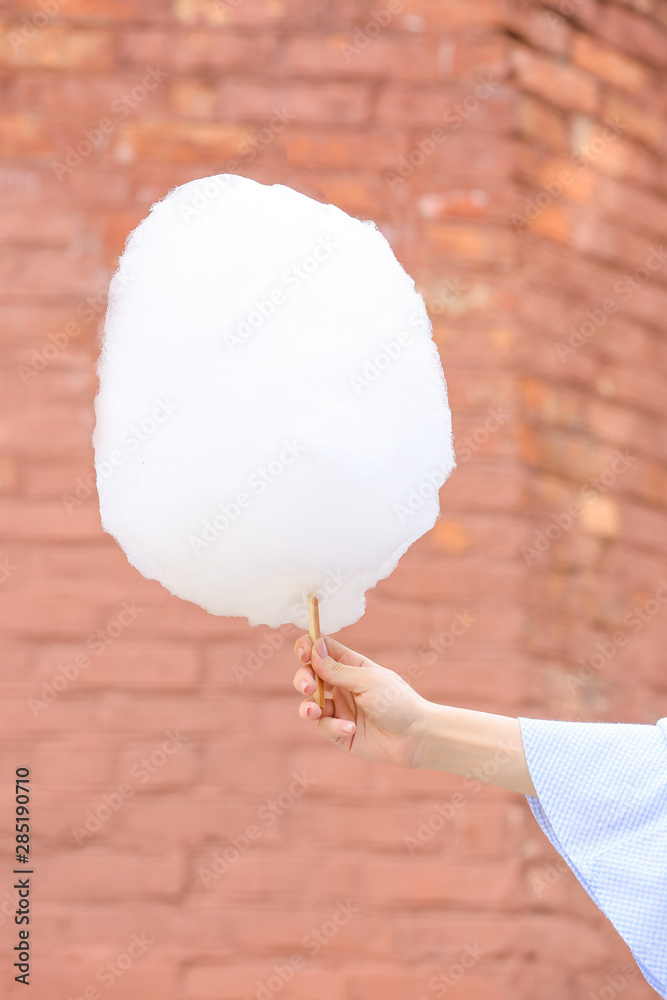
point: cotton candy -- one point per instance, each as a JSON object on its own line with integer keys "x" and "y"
{"x": 272, "y": 416}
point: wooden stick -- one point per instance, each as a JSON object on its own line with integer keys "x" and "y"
{"x": 314, "y": 633}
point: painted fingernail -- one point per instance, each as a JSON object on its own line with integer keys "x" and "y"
{"x": 303, "y": 686}
{"x": 321, "y": 648}
{"x": 347, "y": 727}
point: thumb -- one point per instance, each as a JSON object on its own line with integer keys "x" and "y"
{"x": 354, "y": 679}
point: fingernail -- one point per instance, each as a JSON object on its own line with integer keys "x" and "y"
{"x": 321, "y": 648}
{"x": 347, "y": 727}
{"x": 303, "y": 686}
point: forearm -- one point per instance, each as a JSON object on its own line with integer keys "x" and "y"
{"x": 477, "y": 744}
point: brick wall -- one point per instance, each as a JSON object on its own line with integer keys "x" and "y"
{"x": 514, "y": 156}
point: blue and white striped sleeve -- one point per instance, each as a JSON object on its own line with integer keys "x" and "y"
{"x": 602, "y": 802}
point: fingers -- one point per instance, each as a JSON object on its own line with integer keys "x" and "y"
{"x": 340, "y": 731}
{"x": 303, "y": 648}
{"x": 355, "y": 679}
{"x": 308, "y": 709}
{"x": 304, "y": 680}
{"x": 336, "y": 730}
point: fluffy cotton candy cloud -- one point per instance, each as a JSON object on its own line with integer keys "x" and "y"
{"x": 272, "y": 416}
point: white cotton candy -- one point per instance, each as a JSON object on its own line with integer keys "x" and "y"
{"x": 272, "y": 416}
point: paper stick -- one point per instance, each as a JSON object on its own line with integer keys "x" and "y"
{"x": 314, "y": 633}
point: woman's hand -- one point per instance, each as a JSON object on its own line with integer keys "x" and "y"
{"x": 374, "y": 713}
{"x": 369, "y": 710}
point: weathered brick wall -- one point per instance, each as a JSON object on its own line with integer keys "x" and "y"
{"x": 514, "y": 156}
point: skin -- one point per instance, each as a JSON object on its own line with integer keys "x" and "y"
{"x": 372, "y": 712}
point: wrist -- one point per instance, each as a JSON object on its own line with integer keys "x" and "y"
{"x": 474, "y": 744}
{"x": 430, "y": 752}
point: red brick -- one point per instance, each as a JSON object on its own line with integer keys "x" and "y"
{"x": 105, "y": 12}
{"x": 355, "y": 195}
{"x": 190, "y": 50}
{"x": 641, "y": 123}
{"x": 193, "y": 98}
{"x": 611, "y": 66}
{"x": 487, "y": 108}
{"x": 543, "y": 29}
{"x": 206, "y": 981}
{"x": 64, "y": 430}
{"x": 124, "y": 664}
{"x": 454, "y": 241}
{"x": 543, "y": 125}
{"x": 633, "y": 205}
{"x": 343, "y": 148}
{"x": 191, "y": 142}
{"x": 48, "y": 271}
{"x": 330, "y": 103}
{"x": 630, "y": 31}
{"x": 93, "y": 874}
{"x": 253, "y": 14}
{"x": 394, "y": 986}
{"x": 35, "y": 228}
{"x": 55, "y": 46}
{"x": 560, "y": 84}
{"x": 71, "y": 972}
{"x": 159, "y": 764}
{"x": 76, "y": 761}
{"x": 458, "y": 580}
{"x": 146, "y": 818}
{"x": 447, "y": 15}
{"x": 62, "y": 615}
{"x": 48, "y": 521}
{"x": 416, "y": 59}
